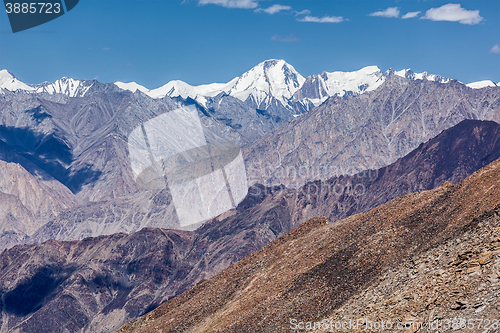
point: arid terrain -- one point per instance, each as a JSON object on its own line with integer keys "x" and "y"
{"x": 323, "y": 270}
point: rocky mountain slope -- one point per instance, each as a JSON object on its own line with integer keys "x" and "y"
{"x": 317, "y": 268}
{"x": 454, "y": 286}
{"x": 96, "y": 283}
{"x": 27, "y": 204}
{"x": 82, "y": 141}
{"x": 374, "y": 129}
{"x": 112, "y": 279}
{"x": 450, "y": 157}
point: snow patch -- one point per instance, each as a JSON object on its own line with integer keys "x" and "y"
{"x": 131, "y": 86}
{"x": 409, "y": 74}
{"x": 9, "y": 82}
{"x": 67, "y": 86}
{"x": 481, "y": 84}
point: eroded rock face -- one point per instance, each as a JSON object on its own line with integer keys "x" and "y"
{"x": 319, "y": 267}
{"x": 369, "y": 131}
{"x": 27, "y": 203}
{"x": 455, "y": 284}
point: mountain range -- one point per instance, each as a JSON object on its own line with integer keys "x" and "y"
{"x": 72, "y": 137}
{"x": 97, "y": 284}
{"x": 269, "y": 82}
{"x": 100, "y": 250}
{"x": 245, "y": 108}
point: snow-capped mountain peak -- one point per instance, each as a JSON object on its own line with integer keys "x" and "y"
{"x": 270, "y": 78}
{"x": 177, "y": 88}
{"x": 318, "y": 88}
{"x": 11, "y": 83}
{"x": 364, "y": 79}
{"x": 132, "y": 86}
{"x": 409, "y": 74}
{"x": 66, "y": 86}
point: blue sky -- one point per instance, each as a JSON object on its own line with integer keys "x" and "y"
{"x": 201, "y": 41}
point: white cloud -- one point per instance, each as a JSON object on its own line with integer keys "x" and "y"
{"x": 324, "y": 19}
{"x": 389, "y": 12}
{"x": 290, "y": 38}
{"x": 495, "y": 49}
{"x": 303, "y": 12}
{"x": 274, "y": 9}
{"x": 410, "y": 15}
{"x": 454, "y": 13}
{"x": 231, "y": 3}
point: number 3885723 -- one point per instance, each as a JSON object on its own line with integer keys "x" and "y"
{"x": 33, "y": 8}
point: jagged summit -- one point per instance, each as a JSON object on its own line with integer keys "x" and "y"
{"x": 318, "y": 88}
{"x": 271, "y": 81}
{"x": 10, "y": 82}
{"x": 65, "y": 85}
{"x": 409, "y": 74}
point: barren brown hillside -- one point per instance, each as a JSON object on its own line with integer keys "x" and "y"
{"x": 316, "y": 268}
